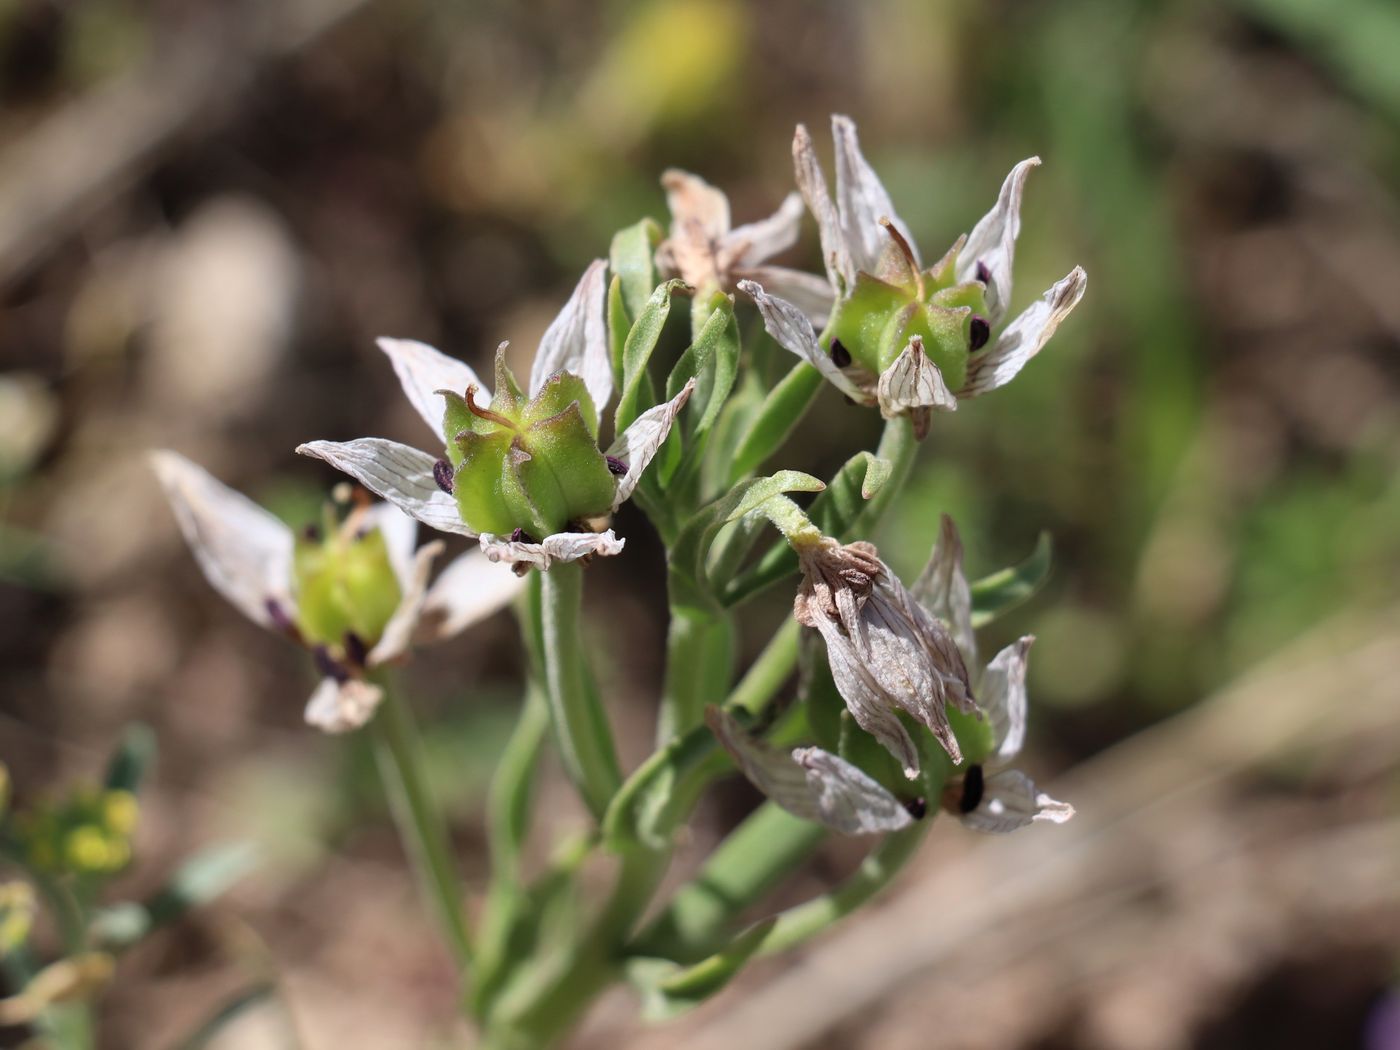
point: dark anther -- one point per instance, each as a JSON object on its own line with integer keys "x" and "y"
{"x": 984, "y": 273}
{"x": 442, "y": 474}
{"x": 521, "y": 536}
{"x": 974, "y": 786}
{"x": 917, "y": 807}
{"x": 281, "y": 619}
{"x": 848, "y": 399}
{"x": 355, "y": 649}
{"x": 616, "y": 465}
{"x": 840, "y": 356}
{"x": 311, "y": 533}
{"x": 329, "y": 665}
{"x": 981, "y": 332}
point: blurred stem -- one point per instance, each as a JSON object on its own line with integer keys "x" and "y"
{"x": 752, "y": 860}
{"x": 581, "y": 728}
{"x": 699, "y": 661}
{"x": 420, "y": 822}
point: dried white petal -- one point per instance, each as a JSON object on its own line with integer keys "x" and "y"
{"x": 244, "y": 552}
{"x": 562, "y": 546}
{"x": 398, "y": 632}
{"x": 753, "y": 242}
{"x": 1023, "y": 338}
{"x": 811, "y": 783}
{"x": 1010, "y": 801}
{"x": 869, "y": 705}
{"x": 695, "y": 205}
{"x": 992, "y": 242}
{"x": 338, "y": 707}
{"x": 423, "y": 371}
{"x": 395, "y": 472}
{"x": 943, "y": 590}
{"x": 639, "y": 443}
{"x": 913, "y": 383}
{"x": 793, "y": 331}
{"x": 839, "y": 268}
{"x": 1002, "y": 694}
{"x": 861, "y": 200}
{"x": 806, "y": 291}
{"x": 400, "y": 534}
{"x": 470, "y": 589}
{"x": 577, "y": 340}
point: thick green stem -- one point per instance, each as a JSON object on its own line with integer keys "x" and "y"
{"x": 699, "y": 662}
{"x": 580, "y": 727}
{"x": 420, "y": 822}
{"x": 768, "y": 673}
{"x": 751, "y": 861}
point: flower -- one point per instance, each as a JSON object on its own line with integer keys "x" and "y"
{"x": 355, "y": 594}
{"x": 887, "y": 654}
{"x": 522, "y": 474}
{"x": 813, "y": 784}
{"x": 901, "y": 337}
{"x": 988, "y": 796}
{"x": 705, "y": 252}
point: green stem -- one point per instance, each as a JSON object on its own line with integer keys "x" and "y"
{"x": 751, "y": 861}
{"x": 421, "y": 824}
{"x": 580, "y": 727}
{"x": 767, "y": 673}
{"x": 699, "y": 662}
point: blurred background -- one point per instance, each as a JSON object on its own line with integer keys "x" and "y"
{"x": 208, "y": 209}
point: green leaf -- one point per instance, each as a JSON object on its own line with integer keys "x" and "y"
{"x": 630, "y": 258}
{"x": 637, "y": 351}
{"x": 712, "y": 360}
{"x": 619, "y": 325}
{"x": 132, "y": 759}
{"x": 669, "y": 989}
{"x": 999, "y": 593}
{"x": 657, "y": 797}
{"x": 782, "y": 409}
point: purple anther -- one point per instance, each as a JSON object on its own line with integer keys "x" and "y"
{"x": 311, "y": 533}
{"x": 981, "y": 331}
{"x": 442, "y": 474}
{"x": 281, "y": 619}
{"x": 329, "y": 665}
{"x": 521, "y": 536}
{"x": 974, "y": 787}
{"x": 355, "y": 649}
{"x": 840, "y": 356}
{"x": 984, "y": 273}
{"x": 917, "y": 807}
{"x": 616, "y": 465}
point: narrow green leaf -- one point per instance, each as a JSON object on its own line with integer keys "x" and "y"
{"x": 630, "y": 257}
{"x": 619, "y": 324}
{"x": 782, "y": 410}
{"x": 656, "y": 798}
{"x": 999, "y": 593}
{"x": 132, "y": 759}
{"x": 637, "y": 351}
{"x": 669, "y": 990}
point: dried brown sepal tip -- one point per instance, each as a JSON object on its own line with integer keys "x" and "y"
{"x": 830, "y": 570}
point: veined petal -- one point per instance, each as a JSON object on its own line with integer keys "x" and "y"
{"x": 636, "y": 445}
{"x": 470, "y": 589}
{"x": 942, "y": 588}
{"x": 1010, "y": 801}
{"x": 577, "y": 340}
{"x": 423, "y": 371}
{"x": 696, "y": 204}
{"x": 811, "y": 783}
{"x": 913, "y": 385}
{"x": 806, "y": 291}
{"x": 787, "y": 324}
{"x": 1002, "y": 693}
{"x": 244, "y": 552}
{"x": 755, "y": 241}
{"x": 395, "y": 472}
{"x": 861, "y": 200}
{"x": 1023, "y": 338}
{"x": 992, "y": 242}
{"x": 398, "y": 632}
{"x": 869, "y": 705}
{"x": 562, "y": 546}
{"x": 338, "y": 707}
{"x": 812, "y": 184}
{"x": 400, "y": 533}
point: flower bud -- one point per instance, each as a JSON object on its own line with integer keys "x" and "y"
{"x": 527, "y": 463}
{"x": 345, "y": 584}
